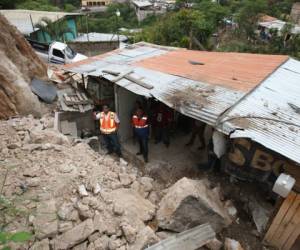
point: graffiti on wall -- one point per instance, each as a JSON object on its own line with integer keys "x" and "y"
{"x": 249, "y": 160}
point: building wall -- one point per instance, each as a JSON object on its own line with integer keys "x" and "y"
{"x": 295, "y": 13}
{"x": 93, "y": 48}
{"x": 250, "y": 160}
{"x": 95, "y": 3}
{"x": 125, "y": 104}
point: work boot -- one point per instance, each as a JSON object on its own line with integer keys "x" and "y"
{"x": 139, "y": 153}
{"x": 146, "y": 159}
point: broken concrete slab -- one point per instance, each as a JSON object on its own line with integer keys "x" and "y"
{"x": 74, "y": 236}
{"x": 189, "y": 203}
{"x": 45, "y": 222}
{"x": 191, "y": 239}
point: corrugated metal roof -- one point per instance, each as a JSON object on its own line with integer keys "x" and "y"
{"x": 270, "y": 114}
{"x": 100, "y": 37}
{"x": 196, "y": 99}
{"x": 239, "y": 71}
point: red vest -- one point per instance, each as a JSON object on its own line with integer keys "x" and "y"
{"x": 140, "y": 123}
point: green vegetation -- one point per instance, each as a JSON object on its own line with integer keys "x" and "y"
{"x": 19, "y": 237}
{"x": 109, "y": 22}
{"x": 37, "y": 5}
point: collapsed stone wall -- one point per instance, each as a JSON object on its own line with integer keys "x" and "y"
{"x": 18, "y": 66}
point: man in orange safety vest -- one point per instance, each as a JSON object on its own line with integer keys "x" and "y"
{"x": 141, "y": 130}
{"x": 109, "y": 124}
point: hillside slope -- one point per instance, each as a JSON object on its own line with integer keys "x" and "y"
{"x": 18, "y": 65}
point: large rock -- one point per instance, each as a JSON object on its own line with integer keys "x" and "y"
{"x": 18, "y": 65}
{"x": 136, "y": 208}
{"x": 189, "y": 203}
{"x": 74, "y": 236}
{"x": 47, "y": 136}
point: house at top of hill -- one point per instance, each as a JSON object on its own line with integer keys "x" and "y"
{"x": 26, "y": 20}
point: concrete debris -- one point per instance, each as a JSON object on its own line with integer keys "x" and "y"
{"x": 214, "y": 244}
{"x": 74, "y": 236}
{"x": 260, "y": 213}
{"x": 129, "y": 232}
{"x": 41, "y": 245}
{"x": 65, "y": 226}
{"x": 231, "y": 244}
{"x": 134, "y": 205}
{"x": 65, "y": 211}
{"x": 145, "y": 238}
{"x": 101, "y": 243}
{"x": 191, "y": 239}
{"x": 189, "y": 203}
{"x": 82, "y": 191}
{"x": 114, "y": 242}
{"x": 45, "y": 222}
{"x": 126, "y": 179}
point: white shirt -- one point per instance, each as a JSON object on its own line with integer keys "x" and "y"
{"x": 219, "y": 142}
{"x": 106, "y": 117}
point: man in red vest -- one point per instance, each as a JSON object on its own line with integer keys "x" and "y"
{"x": 109, "y": 124}
{"x": 141, "y": 129}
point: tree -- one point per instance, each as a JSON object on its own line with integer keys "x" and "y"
{"x": 179, "y": 29}
{"x": 37, "y": 5}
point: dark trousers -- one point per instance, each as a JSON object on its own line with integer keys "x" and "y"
{"x": 162, "y": 134}
{"x": 143, "y": 143}
{"x": 112, "y": 143}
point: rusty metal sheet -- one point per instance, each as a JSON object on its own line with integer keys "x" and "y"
{"x": 270, "y": 114}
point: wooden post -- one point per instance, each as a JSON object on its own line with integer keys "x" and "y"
{"x": 285, "y": 228}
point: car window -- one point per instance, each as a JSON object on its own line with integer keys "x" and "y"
{"x": 58, "y": 53}
{"x": 70, "y": 53}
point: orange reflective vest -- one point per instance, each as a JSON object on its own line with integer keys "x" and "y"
{"x": 140, "y": 123}
{"x": 107, "y": 126}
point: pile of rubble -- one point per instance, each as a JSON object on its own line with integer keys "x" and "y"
{"x": 71, "y": 197}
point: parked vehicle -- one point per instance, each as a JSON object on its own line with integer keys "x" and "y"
{"x": 56, "y": 52}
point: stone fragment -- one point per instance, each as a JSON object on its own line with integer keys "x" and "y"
{"x": 82, "y": 191}
{"x": 65, "y": 226}
{"x": 45, "y": 223}
{"x": 65, "y": 211}
{"x": 123, "y": 162}
{"x": 144, "y": 238}
{"x": 214, "y": 244}
{"x": 118, "y": 209}
{"x": 95, "y": 236}
{"x": 41, "y": 245}
{"x": 114, "y": 242}
{"x": 231, "y": 244}
{"x": 81, "y": 246}
{"x": 106, "y": 223}
{"x": 84, "y": 211}
{"x": 129, "y": 232}
{"x": 101, "y": 243}
{"x": 126, "y": 179}
{"x": 189, "y": 203}
{"x": 74, "y": 236}
{"x": 147, "y": 183}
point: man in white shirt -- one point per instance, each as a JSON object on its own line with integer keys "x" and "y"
{"x": 109, "y": 125}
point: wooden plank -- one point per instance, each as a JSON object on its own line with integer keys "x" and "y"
{"x": 287, "y": 225}
{"x": 121, "y": 76}
{"x": 279, "y": 217}
{"x": 139, "y": 82}
{"x": 188, "y": 240}
{"x": 293, "y": 231}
